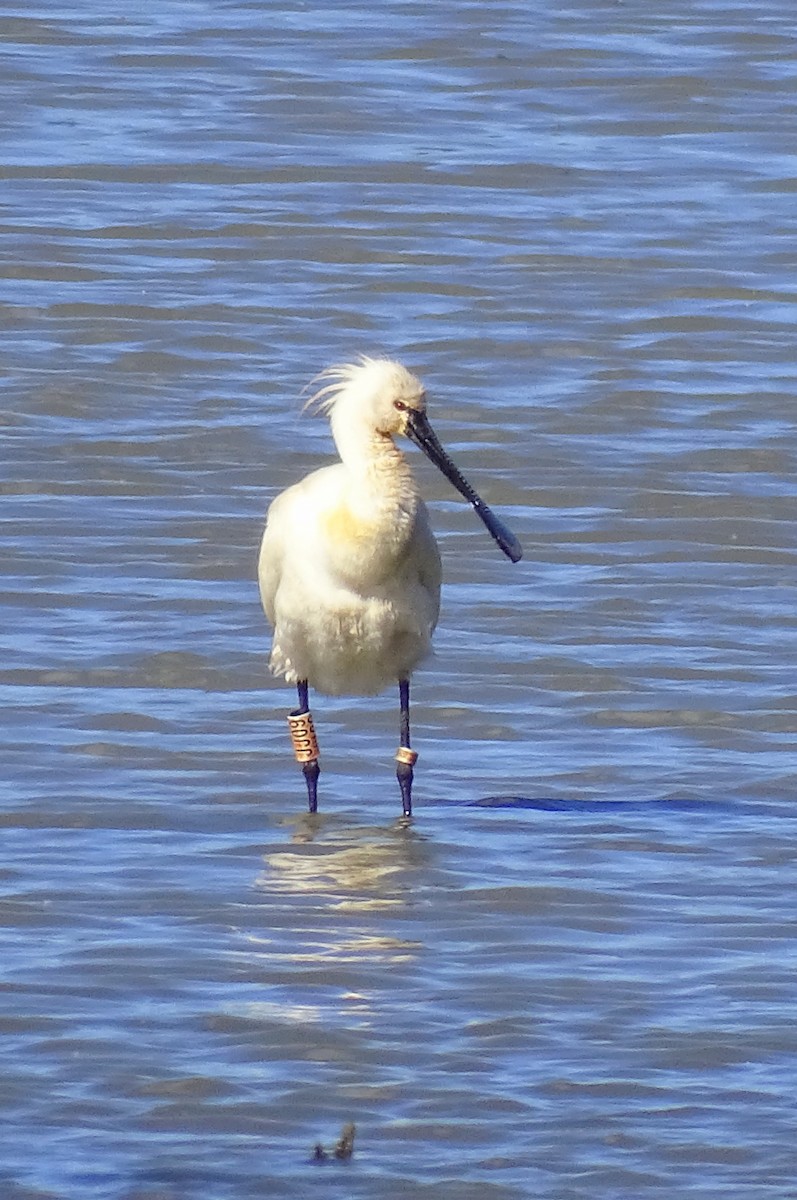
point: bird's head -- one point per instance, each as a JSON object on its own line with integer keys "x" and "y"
{"x": 379, "y": 397}
{"x": 376, "y": 394}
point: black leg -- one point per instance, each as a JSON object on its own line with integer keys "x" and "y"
{"x": 405, "y": 757}
{"x": 305, "y": 745}
{"x": 404, "y": 701}
{"x": 311, "y": 771}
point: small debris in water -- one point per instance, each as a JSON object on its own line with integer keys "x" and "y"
{"x": 343, "y": 1150}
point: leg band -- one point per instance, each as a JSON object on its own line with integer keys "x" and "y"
{"x": 305, "y": 743}
{"x": 406, "y": 756}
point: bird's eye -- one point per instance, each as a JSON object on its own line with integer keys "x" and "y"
{"x": 400, "y": 405}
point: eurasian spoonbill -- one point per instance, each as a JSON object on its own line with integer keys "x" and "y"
{"x": 349, "y": 569}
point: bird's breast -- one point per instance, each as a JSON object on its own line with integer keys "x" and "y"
{"x": 342, "y": 527}
{"x": 364, "y": 547}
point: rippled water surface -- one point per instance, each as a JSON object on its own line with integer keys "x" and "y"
{"x": 574, "y": 975}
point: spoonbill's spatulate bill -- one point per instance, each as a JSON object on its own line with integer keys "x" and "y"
{"x": 349, "y": 569}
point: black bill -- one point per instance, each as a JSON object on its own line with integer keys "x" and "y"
{"x": 421, "y": 433}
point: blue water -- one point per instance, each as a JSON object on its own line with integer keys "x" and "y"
{"x": 573, "y": 975}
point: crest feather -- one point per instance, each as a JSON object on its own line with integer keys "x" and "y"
{"x": 334, "y": 380}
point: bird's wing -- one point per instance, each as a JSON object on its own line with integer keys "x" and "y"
{"x": 427, "y": 561}
{"x": 290, "y": 525}
{"x": 272, "y": 549}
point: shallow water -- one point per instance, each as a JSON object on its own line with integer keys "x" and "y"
{"x": 573, "y": 976}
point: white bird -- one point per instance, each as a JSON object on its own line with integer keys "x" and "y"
{"x": 349, "y": 569}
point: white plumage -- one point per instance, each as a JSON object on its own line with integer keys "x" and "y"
{"x": 349, "y": 570}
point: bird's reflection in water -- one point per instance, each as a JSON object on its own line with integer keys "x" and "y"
{"x": 339, "y": 904}
{"x": 354, "y": 868}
